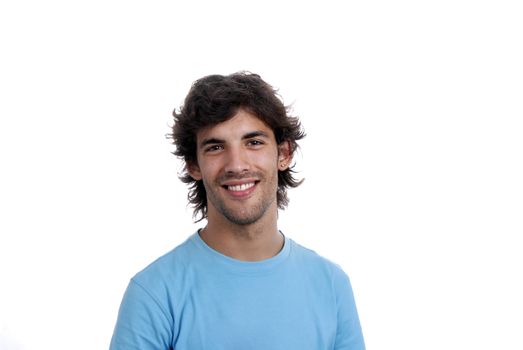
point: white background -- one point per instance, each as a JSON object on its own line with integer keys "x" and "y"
{"x": 413, "y": 160}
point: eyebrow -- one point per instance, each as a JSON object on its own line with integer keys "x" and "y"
{"x": 249, "y": 135}
{"x": 211, "y": 141}
{"x": 253, "y": 134}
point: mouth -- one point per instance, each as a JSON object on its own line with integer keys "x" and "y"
{"x": 241, "y": 189}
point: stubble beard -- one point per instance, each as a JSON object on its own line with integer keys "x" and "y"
{"x": 249, "y": 213}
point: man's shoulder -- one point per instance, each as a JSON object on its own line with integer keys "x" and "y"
{"x": 310, "y": 258}
{"x": 169, "y": 263}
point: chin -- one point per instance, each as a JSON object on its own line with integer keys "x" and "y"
{"x": 243, "y": 220}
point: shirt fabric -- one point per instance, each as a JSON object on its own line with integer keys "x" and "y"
{"x": 195, "y": 298}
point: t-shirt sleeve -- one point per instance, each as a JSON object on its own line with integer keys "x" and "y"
{"x": 348, "y": 334}
{"x": 142, "y": 322}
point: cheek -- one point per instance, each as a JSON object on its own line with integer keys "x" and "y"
{"x": 269, "y": 165}
{"x": 269, "y": 159}
{"x": 209, "y": 172}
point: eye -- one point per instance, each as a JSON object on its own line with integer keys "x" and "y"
{"x": 214, "y": 148}
{"x": 255, "y": 142}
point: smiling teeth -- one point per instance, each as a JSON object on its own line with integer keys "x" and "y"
{"x": 241, "y": 187}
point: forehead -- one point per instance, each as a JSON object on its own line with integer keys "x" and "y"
{"x": 241, "y": 124}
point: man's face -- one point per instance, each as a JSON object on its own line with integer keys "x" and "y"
{"x": 238, "y": 161}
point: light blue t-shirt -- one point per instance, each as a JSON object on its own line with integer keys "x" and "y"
{"x": 194, "y": 298}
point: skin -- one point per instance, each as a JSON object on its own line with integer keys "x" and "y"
{"x": 242, "y": 151}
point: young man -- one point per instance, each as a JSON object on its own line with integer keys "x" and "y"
{"x": 238, "y": 283}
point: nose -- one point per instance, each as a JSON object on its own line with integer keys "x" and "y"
{"x": 237, "y": 161}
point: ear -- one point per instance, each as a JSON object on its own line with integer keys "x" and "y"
{"x": 284, "y": 155}
{"x": 194, "y": 170}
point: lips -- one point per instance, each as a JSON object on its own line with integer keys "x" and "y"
{"x": 242, "y": 187}
{"x": 240, "y": 190}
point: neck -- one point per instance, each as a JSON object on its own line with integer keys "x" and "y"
{"x": 253, "y": 242}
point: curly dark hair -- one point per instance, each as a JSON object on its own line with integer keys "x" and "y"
{"x": 216, "y": 98}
